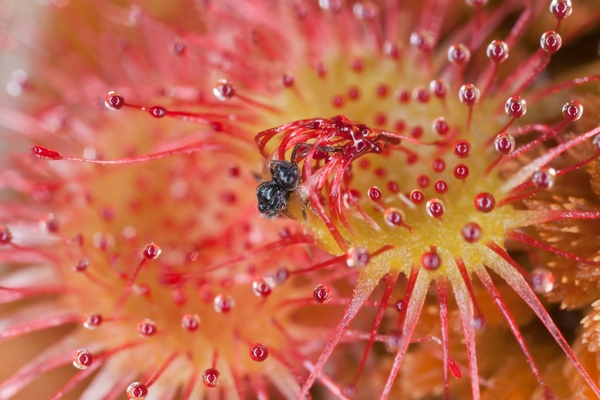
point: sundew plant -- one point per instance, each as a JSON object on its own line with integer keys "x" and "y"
{"x": 300, "y": 199}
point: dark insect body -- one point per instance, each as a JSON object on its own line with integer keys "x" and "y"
{"x": 274, "y": 195}
{"x": 337, "y": 135}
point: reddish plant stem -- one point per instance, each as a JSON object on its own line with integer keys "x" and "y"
{"x": 442, "y": 291}
{"x": 491, "y": 288}
{"x": 520, "y": 237}
{"x": 390, "y": 283}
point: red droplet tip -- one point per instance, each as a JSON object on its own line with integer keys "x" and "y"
{"x": 43, "y": 152}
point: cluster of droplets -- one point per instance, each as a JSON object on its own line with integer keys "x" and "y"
{"x": 223, "y": 303}
{"x": 396, "y": 203}
{"x": 468, "y": 95}
{"x": 458, "y": 145}
{"x": 147, "y": 328}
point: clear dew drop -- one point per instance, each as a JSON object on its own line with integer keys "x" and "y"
{"x": 391, "y": 49}
{"x": 551, "y": 42}
{"x": 439, "y": 88}
{"x": 469, "y": 94}
{"x": 322, "y": 294}
{"x": 137, "y": 391}
{"x": 435, "y": 208}
{"x": 210, "y": 378}
{"x": 541, "y": 280}
{"x": 146, "y": 328}
{"x": 190, "y": 322}
{"x": 504, "y": 143}
{"x": 223, "y": 90}
{"x": 459, "y": 54}
{"x": 544, "y": 177}
{"x": 497, "y": 51}
{"x": 261, "y": 288}
{"x": 357, "y": 257}
{"x": 259, "y": 352}
{"x": 151, "y": 251}
{"x": 572, "y": 111}
{"x": 561, "y": 9}
{"x": 421, "y": 95}
{"x": 374, "y": 194}
{"x": 462, "y": 148}
{"x": 393, "y": 217}
{"x": 471, "y": 232}
{"x": 114, "y": 101}
{"x": 484, "y": 202}
{"x": 440, "y": 186}
{"x": 515, "y": 107}
{"x": 440, "y": 126}
{"x": 422, "y": 40}
{"x": 461, "y": 172}
{"x": 93, "y": 321}
{"x": 417, "y": 197}
{"x": 83, "y": 358}
{"x": 223, "y": 303}
{"x": 158, "y": 111}
{"x": 49, "y": 224}
{"x": 431, "y": 260}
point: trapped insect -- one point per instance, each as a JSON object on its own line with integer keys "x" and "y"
{"x": 274, "y": 195}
